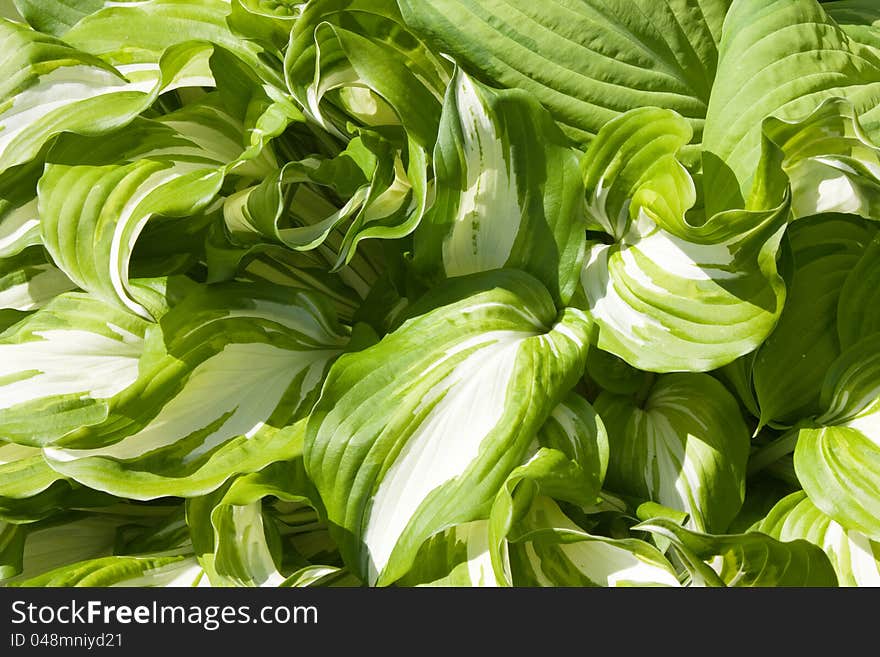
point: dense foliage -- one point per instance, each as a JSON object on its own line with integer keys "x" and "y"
{"x": 447, "y": 292}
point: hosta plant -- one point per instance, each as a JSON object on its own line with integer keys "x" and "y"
{"x": 447, "y": 293}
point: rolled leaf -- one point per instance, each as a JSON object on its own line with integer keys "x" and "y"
{"x": 508, "y": 193}
{"x": 418, "y": 432}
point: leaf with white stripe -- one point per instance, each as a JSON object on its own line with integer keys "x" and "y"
{"x": 232, "y": 528}
{"x": 752, "y": 559}
{"x": 30, "y": 490}
{"x": 185, "y": 30}
{"x": 269, "y": 23}
{"x": 668, "y": 294}
{"x": 356, "y": 60}
{"x": 297, "y": 205}
{"x": 85, "y": 549}
{"x": 790, "y": 366}
{"x": 29, "y": 281}
{"x": 533, "y": 543}
{"x": 353, "y": 66}
{"x": 19, "y": 221}
{"x": 548, "y": 549}
{"x": 508, "y": 193}
{"x": 456, "y": 557}
{"x": 832, "y": 164}
{"x": 855, "y": 558}
{"x": 762, "y": 43}
{"x": 417, "y": 433}
{"x": 128, "y": 571}
{"x": 837, "y": 458}
{"x": 60, "y": 367}
{"x": 839, "y": 467}
{"x": 48, "y": 87}
{"x": 570, "y": 463}
{"x": 683, "y": 444}
{"x": 98, "y": 195}
{"x": 230, "y": 368}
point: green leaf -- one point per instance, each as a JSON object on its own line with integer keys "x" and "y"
{"x": 172, "y": 571}
{"x": 751, "y": 559}
{"x": 508, "y": 193}
{"x": 587, "y": 61}
{"x": 550, "y": 550}
{"x": 19, "y": 221}
{"x": 28, "y": 281}
{"x": 762, "y": 43}
{"x": 359, "y": 53}
{"x": 220, "y": 386}
{"x": 417, "y": 433}
{"x": 237, "y": 550}
{"x": 832, "y": 164}
{"x": 296, "y": 205}
{"x": 182, "y": 31}
{"x": 97, "y": 196}
{"x": 855, "y": 558}
{"x": 668, "y": 294}
{"x": 790, "y": 366}
{"x": 49, "y": 87}
{"x": 569, "y": 462}
{"x": 685, "y": 446}
{"x": 55, "y": 17}
{"x": 60, "y": 367}
{"x": 858, "y": 310}
{"x": 839, "y": 467}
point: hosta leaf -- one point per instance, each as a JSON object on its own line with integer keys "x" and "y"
{"x": 29, "y": 488}
{"x": 751, "y": 559}
{"x": 418, "y": 432}
{"x": 855, "y": 558}
{"x": 839, "y": 467}
{"x": 360, "y": 54}
{"x": 19, "y": 221}
{"x": 233, "y": 546}
{"x": 508, "y": 191}
{"x": 304, "y": 270}
{"x": 860, "y": 19}
{"x": 456, "y": 557}
{"x": 832, "y": 164}
{"x": 185, "y": 30}
{"x": 586, "y": 61}
{"x": 762, "y": 43}
{"x": 858, "y": 309}
{"x": 60, "y": 367}
{"x": 533, "y": 543}
{"x": 296, "y": 207}
{"x": 172, "y": 571}
{"x": 261, "y": 353}
{"x": 269, "y": 23}
{"x": 837, "y": 459}
{"x": 28, "y": 281}
{"x": 668, "y": 295}
{"x": 569, "y": 464}
{"x": 575, "y": 431}
{"x": 685, "y": 446}
{"x": 93, "y": 207}
{"x": 550, "y": 550}
{"x": 49, "y": 87}
{"x": 55, "y": 17}
{"x": 790, "y": 366}
{"x": 852, "y": 384}
{"x": 77, "y": 549}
